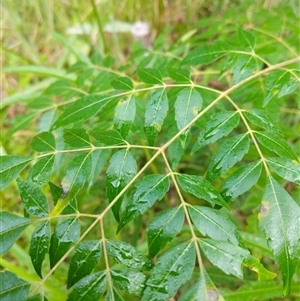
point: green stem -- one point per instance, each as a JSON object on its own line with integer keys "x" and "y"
{"x": 101, "y": 33}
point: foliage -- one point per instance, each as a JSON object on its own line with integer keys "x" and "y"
{"x": 170, "y": 175}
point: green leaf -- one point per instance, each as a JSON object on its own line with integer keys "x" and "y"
{"x": 39, "y": 246}
{"x": 246, "y": 38}
{"x": 276, "y": 144}
{"x": 41, "y": 171}
{"x": 11, "y": 228}
{"x": 230, "y": 152}
{"x": 122, "y": 83}
{"x": 156, "y": 111}
{"x": 226, "y": 256}
{"x": 131, "y": 282}
{"x": 90, "y": 288}
{"x": 77, "y": 138}
{"x": 179, "y": 75}
{"x": 243, "y": 67}
{"x": 82, "y": 110}
{"x": 122, "y": 168}
{"x": 56, "y": 192}
{"x": 201, "y": 189}
{"x": 172, "y": 270}
{"x": 71, "y": 208}
{"x": 43, "y": 142}
{"x": 125, "y": 254}
{"x": 285, "y": 168}
{"x": 214, "y": 223}
{"x": 288, "y": 88}
{"x": 163, "y": 229}
{"x": 150, "y": 76}
{"x": 76, "y": 174}
{"x": 33, "y": 199}
{"x": 175, "y": 151}
{"x": 265, "y": 290}
{"x": 99, "y": 159}
{"x": 241, "y": 181}
{"x": 221, "y": 124}
{"x": 19, "y": 123}
{"x": 203, "y": 290}
{"x": 261, "y": 118}
{"x": 60, "y": 87}
{"x": 279, "y": 218}
{"x": 150, "y": 189}
{"x": 37, "y": 297}
{"x": 274, "y": 82}
{"x": 187, "y": 105}
{"x": 206, "y": 54}
{"x": 10, "y": 167}
{"x": 12, "y": 288}
{"x": 253, "y": 264}
{"x": 112, "y": 295}
{"x": 111, "y": 137}
{"x": 64, "y": 236}
{"x": 87, "y": 255}
{"x": 78, "y": 66}
{"x": 124, "y": 115}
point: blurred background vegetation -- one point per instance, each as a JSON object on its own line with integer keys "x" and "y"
{"x": 42, "y": 39}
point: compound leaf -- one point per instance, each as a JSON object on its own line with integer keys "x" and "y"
{"x": 11, "y": 228}
{"x": 87, "y": 255}
{"x": 241, "y": 181}
{"x": 129, "y": 281}
{"x": 285, "y": 168}
{"x": 156, "y": 112}
{"x": 172, "y": 270}
{"x": 224, "y": 255}
{"x": 39, "y": 246}
{"x": 43, "y": 142}
{"x": 12, "y": 287}
{"x": 124, "y": 115}
{"x": 230, "y": 152}
{"x": 122, "y": 168}
{"x": 10, "y": 167}
{"x": 150, "y": 189}
{"x": 279, "y": 218}
{"x": 200, "y": 188}
{"x": 163, "y": 229}
{"x": 127, "y": 255}
{"x": 33, "y": 199}
{"x": 89, "y": 288}
{"x": 214, "y": 223}
{"x": 221, "y": 124}
{"x": 65, "y": 235}
{"x": 276, "y": 144}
